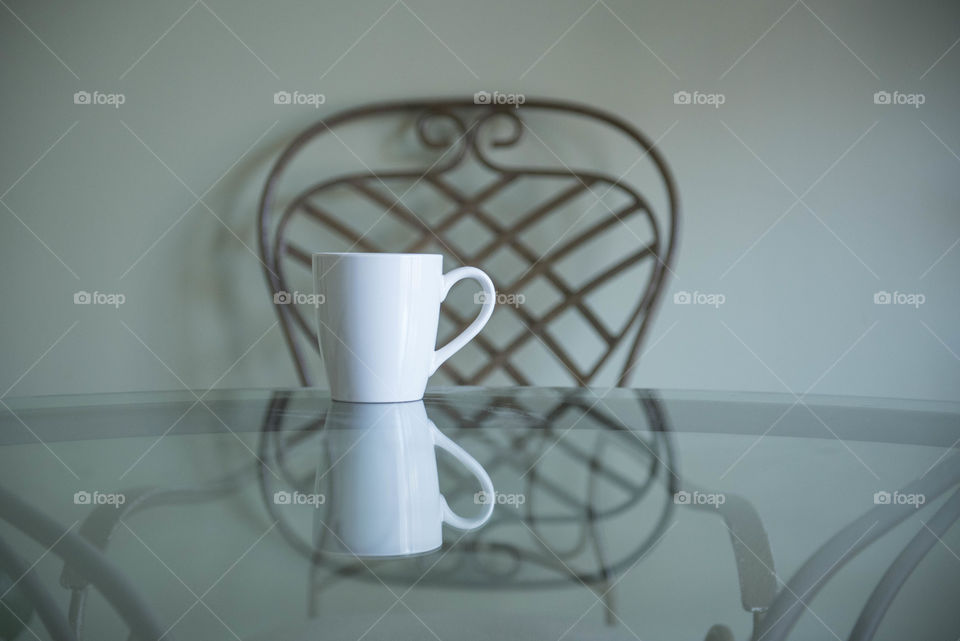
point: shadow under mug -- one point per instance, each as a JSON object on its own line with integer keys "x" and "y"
{"x": 384, "y": 488}
{"x": 377, "y": 323}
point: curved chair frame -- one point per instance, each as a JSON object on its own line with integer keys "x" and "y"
{"x": 469, "y": 120}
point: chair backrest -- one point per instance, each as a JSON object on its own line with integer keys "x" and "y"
{"x": 468, "y": 179}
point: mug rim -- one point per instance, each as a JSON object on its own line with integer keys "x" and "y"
{"x": 374, "y": 254}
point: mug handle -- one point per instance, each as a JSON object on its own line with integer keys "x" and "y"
{"x": 442, "y": 441}
{"x": 489, "y": 300}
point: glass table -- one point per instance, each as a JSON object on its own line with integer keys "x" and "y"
{"x": 617, "y": 514}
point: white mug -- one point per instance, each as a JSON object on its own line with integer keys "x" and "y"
{"x": 384, "y": 490}
{"x": 378, "y": 322}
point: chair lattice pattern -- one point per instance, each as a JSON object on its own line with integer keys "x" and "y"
{"x": 556, "y": 189}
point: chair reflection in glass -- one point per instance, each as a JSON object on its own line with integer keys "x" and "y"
{"x": 552, "y": 528}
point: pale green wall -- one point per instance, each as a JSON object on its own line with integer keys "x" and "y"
{"x": 202, "y": 95}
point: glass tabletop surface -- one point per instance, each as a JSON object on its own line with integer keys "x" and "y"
{"x": 478, "y": 513}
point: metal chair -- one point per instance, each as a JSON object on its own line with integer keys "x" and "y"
{"x": 438, "y": 142}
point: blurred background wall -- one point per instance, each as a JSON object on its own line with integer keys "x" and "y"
{"x": 827, "y": 176}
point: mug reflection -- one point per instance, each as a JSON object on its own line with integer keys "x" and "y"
{"x": 377, "y": 490}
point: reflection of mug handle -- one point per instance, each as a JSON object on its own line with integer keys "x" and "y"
{"x": 489, "y": 300}
{"x": 443, "y": 442}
